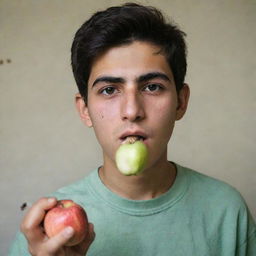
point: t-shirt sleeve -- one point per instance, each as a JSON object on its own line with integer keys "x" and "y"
{"x": 19, "y": 246}
{"x": 248, "y": 248}
{"x": 248, "y": 245}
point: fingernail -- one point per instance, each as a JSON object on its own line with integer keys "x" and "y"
{"x": 68, "y": 231}
{"x": 51, "y": 200}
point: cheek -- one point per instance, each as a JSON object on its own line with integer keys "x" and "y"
{"x": 164, "y": 119}
{"x": 103, "y": 112}
{"x": 166, "y": 111}
{"x": 103, "y": 118}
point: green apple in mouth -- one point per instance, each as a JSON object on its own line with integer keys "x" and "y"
{"x": 131, "y": 156}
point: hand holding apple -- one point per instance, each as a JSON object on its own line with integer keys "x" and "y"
{"x": 67, "y": 213}
{"x": 131, "y": 156}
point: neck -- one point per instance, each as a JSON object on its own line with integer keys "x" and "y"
{"x": 153, "y": 182}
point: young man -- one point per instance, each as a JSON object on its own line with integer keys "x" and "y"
{"x": 129, "y": 65}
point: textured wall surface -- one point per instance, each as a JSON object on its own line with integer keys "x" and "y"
{"x": 44, "y": 145}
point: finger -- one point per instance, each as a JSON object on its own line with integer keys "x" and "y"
{"x": 91, "y": 232}
{"x": 31, "y": 223}
{"x": 58, "y": 241}
{"x": 85, "y": 244}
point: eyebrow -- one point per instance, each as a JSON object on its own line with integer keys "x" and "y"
{"x": 140, "y": 79}
{"x": 152, "y": 75}
{"x": 108, "y": 79}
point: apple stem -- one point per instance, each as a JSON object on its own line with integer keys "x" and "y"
{"x": 61, "y": 204}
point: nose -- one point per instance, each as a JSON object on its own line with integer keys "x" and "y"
{"x": 132, "y": 107}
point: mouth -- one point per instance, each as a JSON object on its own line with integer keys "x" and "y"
{"x": 131, "y": 138}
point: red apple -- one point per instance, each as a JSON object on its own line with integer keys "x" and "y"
{"x": 67, "y": 213}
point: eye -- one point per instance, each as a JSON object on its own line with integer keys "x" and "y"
{"x": 153, "y": 87}
{"x": 108, "y": 90}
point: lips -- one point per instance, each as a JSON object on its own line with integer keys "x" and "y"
{"x": 139, "y": 135}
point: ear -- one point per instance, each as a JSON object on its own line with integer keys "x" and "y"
{"x": 183, "y": 98}
{"x": 83, "y": 110}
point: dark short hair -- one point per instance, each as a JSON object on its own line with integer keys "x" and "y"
{"x": 122, "y": 25}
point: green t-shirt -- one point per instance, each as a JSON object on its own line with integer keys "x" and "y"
{"x": 198, "y": 216}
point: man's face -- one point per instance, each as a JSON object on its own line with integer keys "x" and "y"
{"x": 131, "y": 91}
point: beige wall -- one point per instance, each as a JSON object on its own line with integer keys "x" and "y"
{"x": 45, "y": 146}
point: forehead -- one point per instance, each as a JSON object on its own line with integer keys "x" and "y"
{"x": 130, "y": 60}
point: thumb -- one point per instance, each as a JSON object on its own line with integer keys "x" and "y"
{"x": 58, "y": 241}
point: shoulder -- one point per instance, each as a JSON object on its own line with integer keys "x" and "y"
{"x": 77, "y": 189}
{"x": 213, "y": 190}
{"x": 222, "y": 206}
